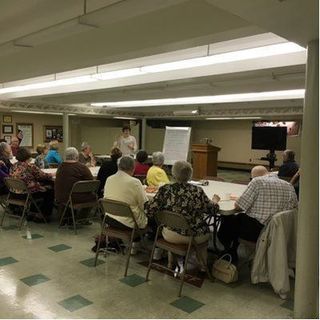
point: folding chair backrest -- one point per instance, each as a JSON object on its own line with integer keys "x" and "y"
{"x": 245, "y": 182}
{"x": 16, "y": 185}
{"x": 86, "y": 186}
{"x": 172, "y": 220}
{"x": 116, "y": 208}
{"x": 53, "y": 165}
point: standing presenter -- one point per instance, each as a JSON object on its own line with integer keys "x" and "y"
{"x": 126, "y": 142}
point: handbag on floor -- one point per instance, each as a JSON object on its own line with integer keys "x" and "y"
{"x": 224, "y": 270}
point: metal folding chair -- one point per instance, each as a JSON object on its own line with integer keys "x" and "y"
{"x": 174, "y": 220}
{"x": 19, "y": 187}
{"x": 80, "y": 187}
{"x": 120, "y": 209}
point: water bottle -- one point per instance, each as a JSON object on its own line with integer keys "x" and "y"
{"x": 29, "y": 235}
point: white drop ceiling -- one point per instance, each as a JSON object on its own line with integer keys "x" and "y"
{"x": 44, "y": 37}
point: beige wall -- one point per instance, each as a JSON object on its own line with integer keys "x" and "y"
{"x": 232, "y": 136}
{"x": 100, "y": 133}
{"x": 38, "y": 121}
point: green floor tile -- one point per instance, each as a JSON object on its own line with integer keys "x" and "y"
{"x": 187, "y": 304}
{"x": 7, "y": 260}
{"x": 74, "y": 303}
{"x": 90, "y": 262}
{"x": 34, "y": 236}
{"x": 133, "y": 280}
{"x": 59, "y": 247}
{"x": 35, "y": 279}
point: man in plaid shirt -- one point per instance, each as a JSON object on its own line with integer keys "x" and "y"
{"x": 265, "y": 195}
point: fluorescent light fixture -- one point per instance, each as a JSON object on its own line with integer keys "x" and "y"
{"x": 225, "y": 98}
{"x": 125, "y": 118}
{"x": 234, "y": 118}
{"x": 117, "y": 74}
{"x": 246, "y": 54}
{"x": 233, "y": 56}
{"x": 37, "y": 112}
{"x": 48, "y": 84}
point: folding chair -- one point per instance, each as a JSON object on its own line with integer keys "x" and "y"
{"x": 81, "y": 187}
{"x": 120, "y": 209}
{"x": 18, "y": 187}
{"x": 174, "y": 220}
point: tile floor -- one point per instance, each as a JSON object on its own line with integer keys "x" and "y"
{"x": 52, "y": 276}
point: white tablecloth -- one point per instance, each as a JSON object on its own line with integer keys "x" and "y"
{"x": 221, "y": 189}
{"x": 94, "y": 170}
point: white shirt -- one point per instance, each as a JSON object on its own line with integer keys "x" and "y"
{"x": 123, "y": 144}
{"x": 123, "y": 187}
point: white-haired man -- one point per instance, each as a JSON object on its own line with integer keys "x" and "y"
{"x": 123, "y": 187}
{"x": 86, "y": 156}
{"x": 265, "y": 195}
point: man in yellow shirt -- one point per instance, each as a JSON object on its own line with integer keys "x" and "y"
{"x": 156, "y": 176}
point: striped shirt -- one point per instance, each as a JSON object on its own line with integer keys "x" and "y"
{"x": 267, "y": 195}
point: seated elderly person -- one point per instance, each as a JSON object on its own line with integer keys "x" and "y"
{"x": 86, "y": 156}
{"x": 265, "y": 196}
{"x": 156, "y": 176}
{"x": 289, "y": 167}
{"x": 5, "y": 156}
{"x": 141, "y": 168}
{"x": 69, "y": 172}
{"x": 187, "y": 200}
{"x": 40, "y": 160}
{"x": 53, "y": 156}
{"x": 38, "y": 182}
{"x": 123, "y": 187}
{"x": 15, "y": 143}
{"x": 107, "y": 169}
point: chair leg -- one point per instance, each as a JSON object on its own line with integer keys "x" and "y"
{"x": 63, "y": 214}
{"x": 151, "y": 255}
{"x": 184, "y": 269}
{"x": 129, "y": 253}
{"x": 74, "y": 220}
{"x": 25, "y": 209}
{"x": 2, "y": 219}
{"x": 204, "y": 263}
{"x": 38, "y": 209}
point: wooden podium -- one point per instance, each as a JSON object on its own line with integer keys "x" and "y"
{"x": 205, "y": 159}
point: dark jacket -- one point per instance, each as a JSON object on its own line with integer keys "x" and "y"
{"x": 107, "y": 169}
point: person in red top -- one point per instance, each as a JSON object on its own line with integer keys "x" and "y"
{"x": 40, "y": 184}
{"x": 141, "y": 168}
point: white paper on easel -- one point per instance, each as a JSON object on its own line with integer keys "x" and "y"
{"x": 176, "y": 144}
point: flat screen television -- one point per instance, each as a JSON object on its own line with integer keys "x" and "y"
{"x": 269, "y": 138}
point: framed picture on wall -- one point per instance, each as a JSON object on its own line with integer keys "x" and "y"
{"x": 7, "y": 128}
{"x": 7, "y": 138}
{"x": 53, "y": 133}
{"x": 25, "y": 132}
{"x": 7, "y": 119}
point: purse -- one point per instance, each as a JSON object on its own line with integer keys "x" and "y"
{"x": 224, "y": 270}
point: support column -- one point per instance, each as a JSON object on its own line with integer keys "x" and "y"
{"x": 307, "y": 269}
{"x": 143, "y": 133}
{"x": 66, "y": 136}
